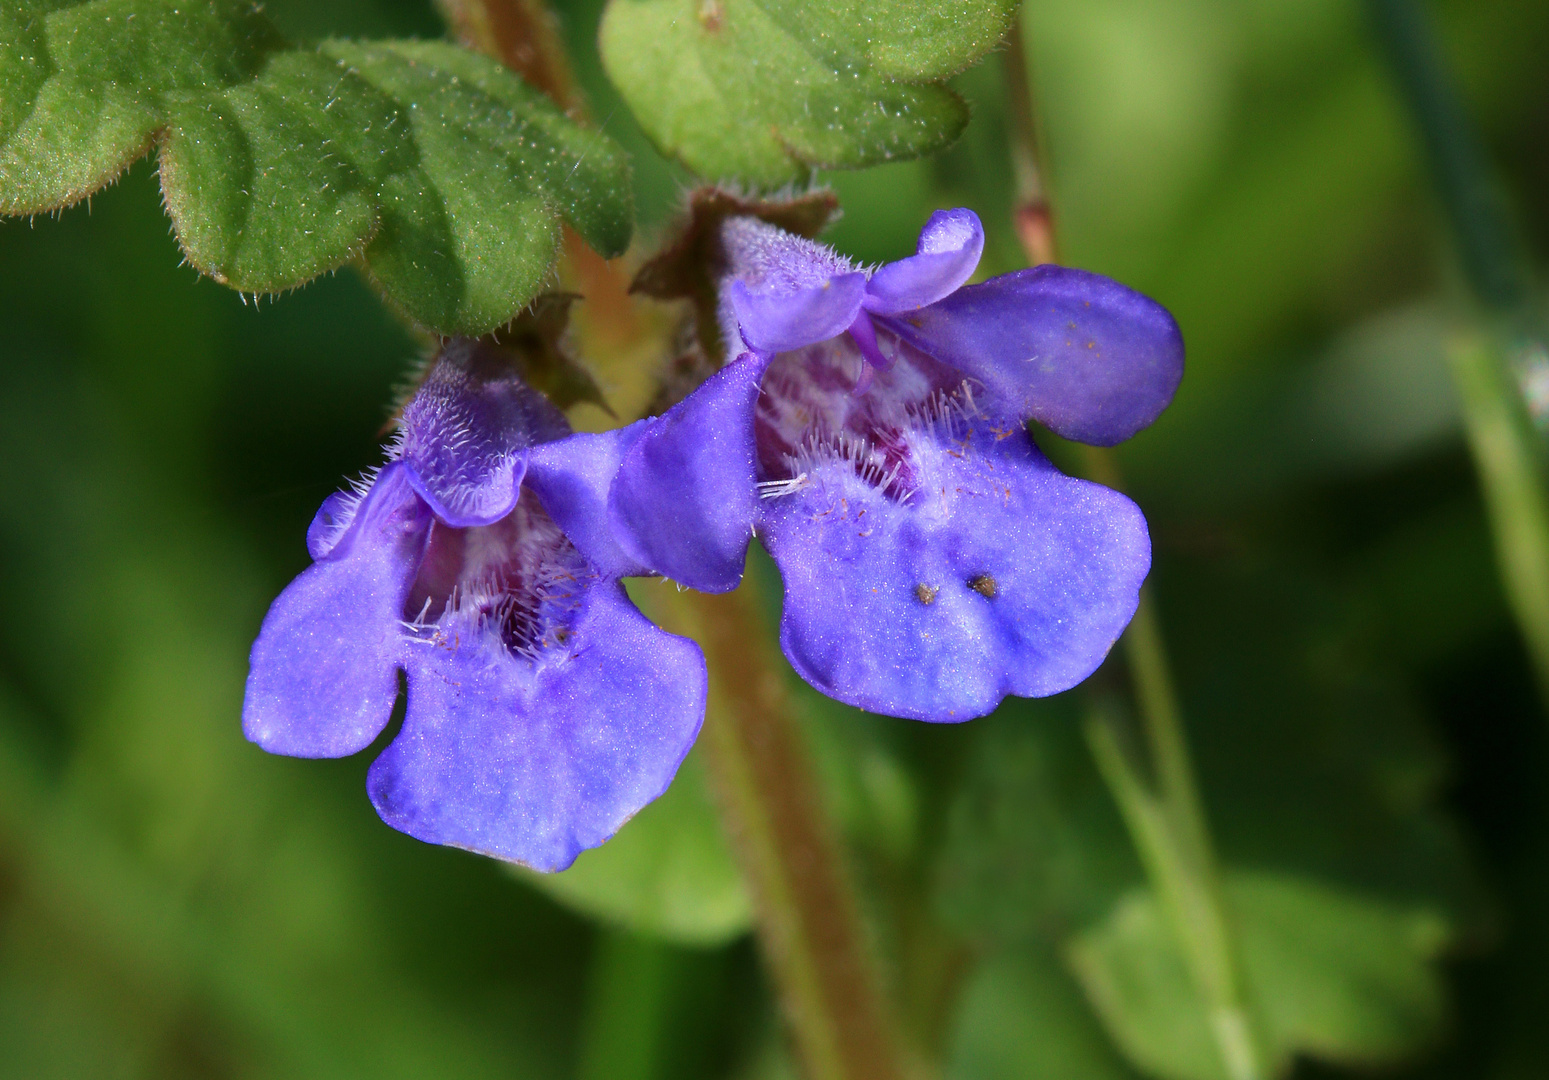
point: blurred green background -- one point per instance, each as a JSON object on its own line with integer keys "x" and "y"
{"x": 175, "y": 903}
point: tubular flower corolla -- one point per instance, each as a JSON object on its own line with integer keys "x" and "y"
{"x": 871, "y": 431}
{"x": 543, "y": 709}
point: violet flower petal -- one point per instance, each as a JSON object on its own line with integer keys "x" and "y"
{"x": 999, "y": 575}
{"x": 769, "y": 259}
{"x": 776, "y": 266}
{"x": 535, "y": 761}
{"x": 685, "y": 499}
{"x": 779, "y": 321}
{"x": 465, "y": 433}
{"x": 572, "y": 477}
{"x": 1087, "y": 357}
{"x": 331, "y": 522}
{"x": 324, "y": 673}
{"x": 947, "y": 255}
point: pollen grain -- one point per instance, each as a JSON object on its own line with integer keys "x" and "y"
{"x": 984, "y": 585}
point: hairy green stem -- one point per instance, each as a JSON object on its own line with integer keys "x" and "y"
{"x": 809, "y": 922}
{"x": 1169, "y": 828}
{"x": 1488, "y": 365}
{"x": 1512, "y": 476}
{"x": 1144, "y": 650}
{"x": 1190, "y": 895}
{"x": 1490, "y": 257}
{"x": 1161, "y": 716}
{"x": 1172, "y": 837}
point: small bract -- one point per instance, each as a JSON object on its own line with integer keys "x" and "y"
{"x": 544, "y": 710}
{"x": 872, "y": 433}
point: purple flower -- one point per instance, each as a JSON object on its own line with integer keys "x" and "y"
{"x": 544, "y": 710}
{"x": 872, "y": 433}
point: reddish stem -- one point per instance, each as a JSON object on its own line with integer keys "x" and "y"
{"x": 764, "y": 782}
{"x": 524, "y": 36}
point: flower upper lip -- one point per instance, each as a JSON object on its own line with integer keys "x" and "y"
{"x": 776, "y": 317}
{"x": 466, "y": 433}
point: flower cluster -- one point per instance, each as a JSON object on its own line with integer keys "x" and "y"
{"x": 871, "y": 432}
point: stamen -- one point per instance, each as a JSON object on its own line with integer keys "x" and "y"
{"x": 773, "y": 489}
{"x": 865, "y": 336}
{"x": 418, "y": 622}
{"x": 864, "y": 379}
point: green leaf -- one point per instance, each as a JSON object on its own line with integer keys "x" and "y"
{"x": 1330, "y": 973}
{"x": 439, "y": 170}
{"x": 668, "y": 872}
{"x": 88, "y": 86}
{"x": 908, "y": 39}
{"x": 763, "y": 91}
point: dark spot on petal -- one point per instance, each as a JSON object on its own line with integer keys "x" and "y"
{"x": 984, "y": 585}
{"x": 925, "y": 594}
